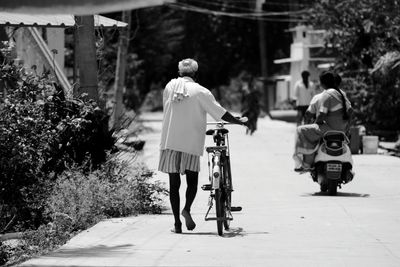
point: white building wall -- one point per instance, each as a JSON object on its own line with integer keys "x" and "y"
{"x": 56, "y": 40}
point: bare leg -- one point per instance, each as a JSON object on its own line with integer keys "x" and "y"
{"x": 174, "y": 198}
{"x": 191, "y": 191}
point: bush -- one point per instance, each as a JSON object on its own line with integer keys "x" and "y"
{"x": 376, "y": 106}
{"x": 41, "y": 134}
{"x": 45, "y": 239}
{"x": 115, "y": 190}
{"x": 79, "y": 200}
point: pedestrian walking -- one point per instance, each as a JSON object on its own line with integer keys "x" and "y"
{"x": 304, "y": 90}
{"x": 250, "y": 105}
{"x": 185, "y": 105}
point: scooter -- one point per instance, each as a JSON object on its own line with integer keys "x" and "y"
{"x": 333, "y": 163}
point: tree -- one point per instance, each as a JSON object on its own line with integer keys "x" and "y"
{"x": 361, "y": 32}
{"x": 121, "y": 71}
{"x": 223, "y": 45}
{"x": 86, "y": 48}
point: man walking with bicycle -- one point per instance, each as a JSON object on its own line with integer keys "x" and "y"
{"x": 186, "y": 104}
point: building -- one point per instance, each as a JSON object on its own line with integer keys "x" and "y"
{"x": 39, "y": 41}
{"x": 307, "y": 52}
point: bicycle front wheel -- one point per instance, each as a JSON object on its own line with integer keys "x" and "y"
{"x": 228, "y": 192}
{"x": 219, "y": 210}
{"x": 227, "y": 208}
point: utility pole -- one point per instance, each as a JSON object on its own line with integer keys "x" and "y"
{"x": 263, "y": 43}
{"x": 86, "y": 52}
{"x": 263, "y": 55}
{"x": 293, "y": 6}
{"x": 120, "y": 72}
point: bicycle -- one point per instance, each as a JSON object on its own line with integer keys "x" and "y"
{"x": 220, "y": 178}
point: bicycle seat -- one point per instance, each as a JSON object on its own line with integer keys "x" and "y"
{"x": 217, "y": 131}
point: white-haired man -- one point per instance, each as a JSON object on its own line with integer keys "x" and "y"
{"x": 186, "y": 104}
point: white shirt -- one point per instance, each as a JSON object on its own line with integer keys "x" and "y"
{"x": 315, "y": 104}
{"x": 185, "y": 118}
{"x": 302, "y": 94}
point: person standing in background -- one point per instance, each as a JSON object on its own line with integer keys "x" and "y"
{"x": 304, "y": 91}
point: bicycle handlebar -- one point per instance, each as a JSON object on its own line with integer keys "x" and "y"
{"x": 219, "y": 123}
{"x": 222, "y": 123}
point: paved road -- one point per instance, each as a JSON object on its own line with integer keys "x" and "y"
{"x": 285, "y": 220}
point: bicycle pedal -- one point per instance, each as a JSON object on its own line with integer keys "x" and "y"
{"x": 236, "y": 208}
{"x": 206, "y": 187}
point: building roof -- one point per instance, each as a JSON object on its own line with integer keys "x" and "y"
{"x": 56, "y": 20}
{"x": 77, "y": 7}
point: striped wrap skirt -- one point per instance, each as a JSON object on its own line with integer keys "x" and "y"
{"x": 172, "y": 161}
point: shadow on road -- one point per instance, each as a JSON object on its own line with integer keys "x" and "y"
{"x": 232, "y": 232}
{"x": 95, "y": 251}
{"x": 339, "y": 194}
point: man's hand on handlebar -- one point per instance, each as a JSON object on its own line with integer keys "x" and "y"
{"x": 245, "y": 121}
{"x": 228, "y": 117}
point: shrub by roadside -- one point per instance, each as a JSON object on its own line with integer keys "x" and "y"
{"x": 115, "y": 190}
{"x": 55, "y": 176}
{"x": 42, "y": 134}
{"x": 79, "y": 200}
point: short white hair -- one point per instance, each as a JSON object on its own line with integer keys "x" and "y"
{"x": 188, "y": 65}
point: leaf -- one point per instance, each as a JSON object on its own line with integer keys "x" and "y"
{"x": 367, "y": 24}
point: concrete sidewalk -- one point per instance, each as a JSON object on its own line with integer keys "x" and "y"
{"x": 285, "y": 220}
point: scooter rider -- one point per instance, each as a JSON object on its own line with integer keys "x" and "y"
{"x": 334, "y": 114}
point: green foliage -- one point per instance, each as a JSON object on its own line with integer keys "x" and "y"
{"x": 386, "y": 79}
{"x": 41, "y": 134}
{"x": 78, "y": 200}
{"x": 361, "y": 30}
{"x": 43, "y": 240}
{"x": 4, "y": 255}
{"x": 365, "y": 35}
{"x": 224, "y": 46}
{"x": 115, "y": 190}
{"x": 161, "y": 36}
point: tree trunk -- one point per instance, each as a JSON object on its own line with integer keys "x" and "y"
{"x": 86, "y": 52}
{"x": 120, "y": 72}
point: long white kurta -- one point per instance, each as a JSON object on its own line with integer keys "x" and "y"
{"x": 185, "y": 120}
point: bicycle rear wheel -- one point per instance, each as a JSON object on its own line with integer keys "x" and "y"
{"x": 219, "y": 210}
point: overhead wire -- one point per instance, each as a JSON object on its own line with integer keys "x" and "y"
{"x": 222, "y": 5}
{"x": 255, "y": 15}
{"x": 283, "y": 4}
{"x": 233, "y": 6}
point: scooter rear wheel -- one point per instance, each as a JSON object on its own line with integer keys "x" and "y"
{"x": 332, "y": 187}
{"x": 324, "y": 187}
